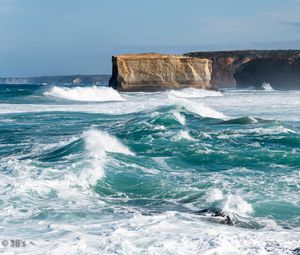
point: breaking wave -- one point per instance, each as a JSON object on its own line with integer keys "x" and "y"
{"x": 93, "y": 94}
{"x": 232, "y": 206}
{"x": 267, "y": 86}
{"x": 247, "y": 120}
{"x": 198, "y": 185}
{"x": 197, "y": 108}
{"x": 183, "y": 134}
{"x": 179, "y": 117}
{"x": 194, "y": 93}
{"x": 97, "y": 143}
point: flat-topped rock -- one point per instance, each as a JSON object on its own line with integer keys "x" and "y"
{"x": 244, "y": 68}
{"x": 152, "y": 72}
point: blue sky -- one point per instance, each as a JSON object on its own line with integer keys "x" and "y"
{"x": 50, "y": 37}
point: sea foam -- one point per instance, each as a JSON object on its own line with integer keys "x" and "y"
{"x": 229, "y": 204}
{"x": 183, "y": 134}
{"x": 197, "y": 108}
{"x": 194, "y": 93}
{"x": 97, "y": 143}
{"x": 180, "y": 118}
{"x": 267, "y": 86}
{"x": 93, "y": 94}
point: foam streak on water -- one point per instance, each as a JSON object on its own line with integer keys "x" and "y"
{"x": 89, "y": 170}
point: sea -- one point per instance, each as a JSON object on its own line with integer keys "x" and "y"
{"x": 89, "y": 170}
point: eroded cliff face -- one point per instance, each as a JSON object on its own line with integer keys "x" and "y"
{"x": 150, "y": 72}
{"x": 234, "y": 68}
{"x": 282, "y": 74}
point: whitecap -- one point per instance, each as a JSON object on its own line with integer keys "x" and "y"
{"x": 213, "y": 195}
{"x": 194, "y": 93}
{"x": 197, "y": 108}
{"x": 232, "y": 205}
{"x": 92, "y": 94}
{"x": 180, "y": 118}
{"x": 267, "y": 86}
{"x": 272, "y": 130}
{"x": 183, "y": 134}
{"x": 236, "y": 205}
{"x": 97, "y": 143}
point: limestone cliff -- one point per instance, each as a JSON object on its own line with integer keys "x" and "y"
{"x": 149, "y": 72}
{"x": 235, "y": 68}
{"x": 282, "y": 74}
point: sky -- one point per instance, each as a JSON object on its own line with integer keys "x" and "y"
{"x": 61, "y": 37}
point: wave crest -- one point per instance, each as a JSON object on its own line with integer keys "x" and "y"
{"x": 93, "y": 94}
{"x": 231, "y": 207}
{"x": 97, "y": 143}
{"x": 197, "y": 108}
{"x": 267, "y": 86}
{"x": 194, "y": 93}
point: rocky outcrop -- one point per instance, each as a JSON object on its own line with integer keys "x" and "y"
{"x": 253, "y": 67}
{"x": 282, "y": 74}
{"x": 150, "y": 72}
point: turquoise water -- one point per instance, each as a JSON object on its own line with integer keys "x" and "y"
{"x": 88, "y": 170}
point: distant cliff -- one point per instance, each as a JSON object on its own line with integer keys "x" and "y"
{"x": 61, "y": 79}
{"x": 150, "y": 72}
{"x": 253, "y": 67}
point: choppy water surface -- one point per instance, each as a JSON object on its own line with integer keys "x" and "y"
{"x": 88, "y": 170}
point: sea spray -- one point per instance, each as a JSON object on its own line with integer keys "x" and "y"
{"x": 180, "y": 118}
{"x": 267, "y": 86}
{"x": 194, "y": 93}
{"x": 98, "y": 143}
{"x": 183, "y": 134}
{"x": 197, "y": 108}
{"x": 93, "y": 94}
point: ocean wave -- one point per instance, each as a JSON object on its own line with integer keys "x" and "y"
{"x": 271, "y": 130}
{"x": 266, "y": 86}
{"x": 78, "y": 164}
{"x": 261, "y": 131}
{"x": 197, "y": 108}
{"x": 194, "y": 93}
{"x": 180, "y": 118}
{"x": 231, "y": 205}
{"x": 183, "y": 134}
{"x": 97, "y": 144}
{"x": 246, "y": 120}
{"x": 88, "y": 94}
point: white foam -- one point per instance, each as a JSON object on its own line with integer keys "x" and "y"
{"x": 235, "y": 205}
{"x": 72, "y": 182}
{"x": 214, "y": 195}
{"x": 257, "y": 131}
{"x": 180, "y": 118}
{"x": 97, "y": 141}
{"x": 198, "y": 108}
{"x": 183, "y": 134}
{"x": 271, "y": 130}
{"x": 267, "y": 86}
{"x": 97, "y": 144}
{"x": 166, "y": 233}
{"x": 94, "y": 93}
{"x": 194, "y": 93}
